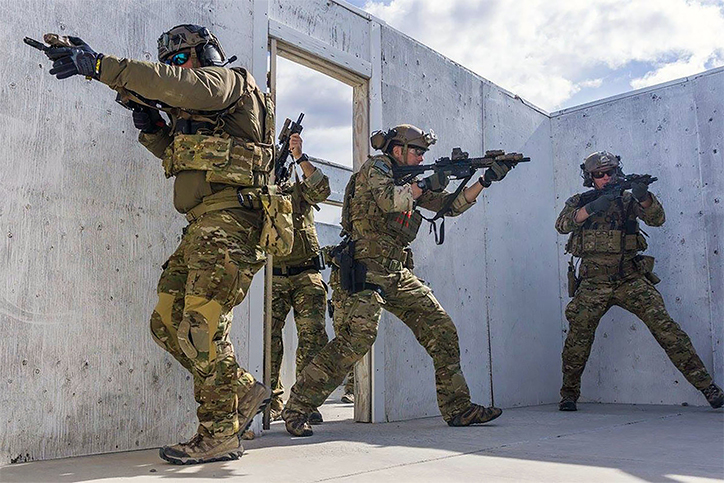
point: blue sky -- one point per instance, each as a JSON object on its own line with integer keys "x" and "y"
{"x": 561, "y": 53}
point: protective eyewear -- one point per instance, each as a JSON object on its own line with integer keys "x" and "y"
{"x": 601, "y": 174}
{"x": 418, "y": 151}
{"x": 178, "y": 59}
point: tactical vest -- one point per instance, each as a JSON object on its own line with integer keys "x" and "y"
{"x": 226, "y": 159}
{"x": 362, "y": 213}
{"x": 615, "y": 231}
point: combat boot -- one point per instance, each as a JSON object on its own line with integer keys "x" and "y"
{"x": 714, "y": 395}
{"x": 568, "y": 403}
{"x": 296, "y": 423}
{"x": 475, "y": 414}
{"x": 203, "y": 448}
{"x": 275, "y": 408}
{"x": 315, "y": 417}
{"x": 348, "y": 398}
{"x": 251, "y": 403}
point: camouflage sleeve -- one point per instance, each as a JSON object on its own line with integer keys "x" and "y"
{"x": 388, "y": 196}
{"x": 315, "y": 189}
{"x": 653, "y": 215}
{"x": 435, "y": 201}
{"x": 203, "y": 89}
{"x": 565, "y": 222}
{"x": 156, "y": 142}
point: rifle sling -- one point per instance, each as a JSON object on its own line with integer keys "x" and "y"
{"x": 444, "y": 210}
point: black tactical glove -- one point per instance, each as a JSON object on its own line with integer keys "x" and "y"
{"x": 436, "y": 182}
{"x": 70, "y": 61}
{"x": 147, "y": 120}
{"x": 496, "y": 172}
{"x": 600, "y": 204}
{"x": 640, "y": 191}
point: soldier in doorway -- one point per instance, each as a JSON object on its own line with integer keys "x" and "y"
{"x": 605, "y": 234}
{"x": 297, "y": 282}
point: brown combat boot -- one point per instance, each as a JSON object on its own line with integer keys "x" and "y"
{"x": 348, "y": 398}
{"x": 275, "y": 408}
{"x": 203, "y": 448}
{"x": 714, "y": 395}
{"x": 568, "y": 403}
{"x": 297, "y": 424}
{"x": 315, "y": 417}
{"x": 475, "y": 414}
{"x": 251, "y": 403}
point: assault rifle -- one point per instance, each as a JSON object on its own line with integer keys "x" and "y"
{"x": 282, "y": 172}
{"x": 618, "y": 186}
{"x": 457, "y": 166}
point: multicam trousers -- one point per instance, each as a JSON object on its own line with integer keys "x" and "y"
{"x": 356, "y": 317}
{"x": 637, "y": 295}
{"x": 208, "y": 274}
{"x": 307, "y": 295}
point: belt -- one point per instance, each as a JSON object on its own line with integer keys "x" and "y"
{"x": 608, "y": 273}
{"x": 225, "y": 199}
{"x": 291, "y": 271}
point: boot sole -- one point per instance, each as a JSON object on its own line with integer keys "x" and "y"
{"x": 234, "y": 455}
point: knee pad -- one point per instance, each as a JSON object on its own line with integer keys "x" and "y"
{"x": 198, "y": 327}
{"x": 162, "y": 319}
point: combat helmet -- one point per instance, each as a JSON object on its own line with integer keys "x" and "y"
{"x": 599, "y": 161}
{"x": 405, "y": 135}
{"x": 198, "y": 40}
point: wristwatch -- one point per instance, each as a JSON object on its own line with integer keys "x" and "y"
{"x": 421, "y": 184}
{"x": 303, "y": 157}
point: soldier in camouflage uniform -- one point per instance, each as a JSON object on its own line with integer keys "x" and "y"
{"x": 606, "y": 236}
{"x": 219, "y": 148}
{"x": 381, "y": 220}
{"x": 297, "y": 282}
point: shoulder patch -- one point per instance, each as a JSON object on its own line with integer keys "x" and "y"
{"x": 382, "y": 167}
{"x": 574, "y": 200}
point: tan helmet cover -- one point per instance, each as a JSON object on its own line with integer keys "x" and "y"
{"x": 405, "y": 135}
{"x": 186, "y": 37}
{"x": 601, "y": 160}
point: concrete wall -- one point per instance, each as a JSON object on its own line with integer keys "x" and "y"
{"x": 674, "y": 132}
{"x": 86, "y": 222}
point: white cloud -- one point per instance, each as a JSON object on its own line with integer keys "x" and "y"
{"x": 546, "y": 50}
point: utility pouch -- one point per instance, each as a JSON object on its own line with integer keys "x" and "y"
{"x": 277, "y": 231}
{"x": 645, "y": 265}
{"x": 199, "y": 152}
{"x": 573, "y": 280}
{"x": 601, "y": 241}
{"x": 404, "y": 225}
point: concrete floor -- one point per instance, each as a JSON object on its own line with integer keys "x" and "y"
{"x": 599, "y": 443}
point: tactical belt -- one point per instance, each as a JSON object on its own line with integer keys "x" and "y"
{"x": 289, "y": 271}
{"x": 608, "y": 274}
{"x": 393, "y": 258}
{"x": 225, "y": 199}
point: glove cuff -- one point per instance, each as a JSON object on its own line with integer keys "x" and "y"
{"x": 484, "y": 182}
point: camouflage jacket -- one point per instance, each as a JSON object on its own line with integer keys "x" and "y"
{"x": 603, "y": 239}
{"x": 305, "y": 193}
{"x": 201, "y": 89}
{"x": 385, "y": 214}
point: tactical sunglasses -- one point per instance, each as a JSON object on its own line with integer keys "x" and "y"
{"x": 418, "y": 151}
{"x": 178, "y": 59}
{"x": 601, "y": 174}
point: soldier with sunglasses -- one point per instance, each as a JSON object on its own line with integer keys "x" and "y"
{"x": 380, "y": 219}
{"x": 605, "y": 235}
{"x": 218, "y": 147}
